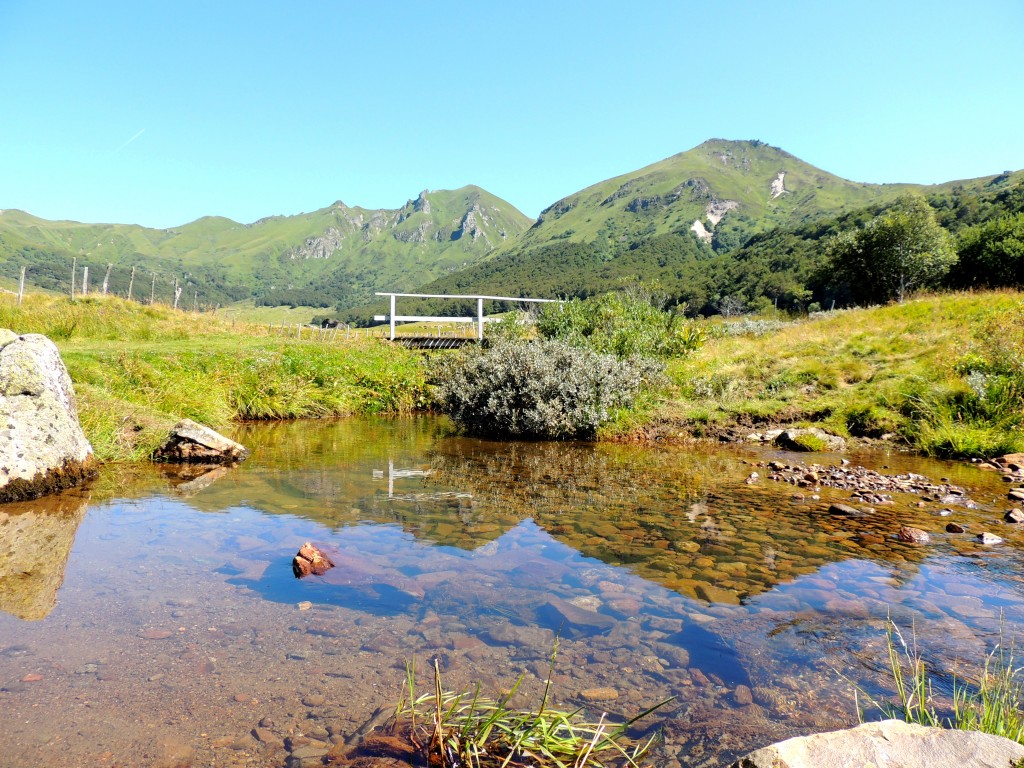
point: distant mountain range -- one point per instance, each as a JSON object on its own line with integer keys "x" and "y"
{"x": 336, "y": 254}
{"x": 654, "y": 223}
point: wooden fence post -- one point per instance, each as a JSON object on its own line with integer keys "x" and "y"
{"x": 21, "y": 286}
{"x": 106, "y": 278}
{"x": 85, "y": 280}
{"x": 131, "y": 283}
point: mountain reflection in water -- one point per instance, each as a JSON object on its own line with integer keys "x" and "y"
{"x": 660, "y": 571}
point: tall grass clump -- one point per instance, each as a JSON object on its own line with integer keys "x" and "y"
{"x": 990, "y": 704}
{"x": 129, "y": 399}
{"x": 139, "y": 369}
{"x": 981, "y": 413}
{"x": 541, "y": 389}
{"x": 102, "y": 317}
{"x": 467, "y": 729}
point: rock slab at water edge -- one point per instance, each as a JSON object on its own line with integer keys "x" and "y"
{"x": 190, "y": 441}
{"x": 42, "y": 446}
{"x": 888, "y": 744}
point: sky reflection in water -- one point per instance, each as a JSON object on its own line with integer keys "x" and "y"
{"x": 178, "y": 627}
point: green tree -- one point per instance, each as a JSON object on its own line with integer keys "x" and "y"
{"x": 991, "y": 254}
{"x": 900, "y": 250}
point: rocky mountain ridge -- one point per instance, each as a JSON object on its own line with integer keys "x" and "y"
{"x": 335, "y": 252}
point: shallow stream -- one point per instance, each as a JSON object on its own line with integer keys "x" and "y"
{"x": 154, "y": 620}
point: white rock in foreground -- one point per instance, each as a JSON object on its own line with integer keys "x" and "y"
{"x": 42, "y": 446}
{"x": 888, "y": 744}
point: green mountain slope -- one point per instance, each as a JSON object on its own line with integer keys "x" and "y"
{"x": 721, "y": 191}
{"x": 684, "y": 222}
{"x": 335, "y": 254}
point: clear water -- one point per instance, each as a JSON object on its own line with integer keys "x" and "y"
{"x": 149, "y": 621}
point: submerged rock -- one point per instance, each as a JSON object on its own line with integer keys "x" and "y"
{"x": 888, "y": 744}
{"x": 192, "y": 442}
{"x": 912, "y": 535}
{"x": 845, "y": 510}
{"x": 577, "y": 621}
{"x": 42, "y": 446}
{"x": 599, "y": 694}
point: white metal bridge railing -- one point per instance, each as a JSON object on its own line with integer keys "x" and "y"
{"x": 480, "y": 318}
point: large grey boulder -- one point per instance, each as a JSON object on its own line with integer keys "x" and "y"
{"x": 42, "y": 446}
{"x": 888, "y": 744}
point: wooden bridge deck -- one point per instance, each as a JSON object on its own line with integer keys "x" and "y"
{"x": 434, "y": 342}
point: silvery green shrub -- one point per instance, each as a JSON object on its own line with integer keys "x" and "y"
{"x": 539, "y": 389}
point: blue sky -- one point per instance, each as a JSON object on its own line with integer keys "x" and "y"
{"x": 158, "y": 113}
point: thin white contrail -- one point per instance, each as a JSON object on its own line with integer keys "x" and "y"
{"x": 133, "y": 138}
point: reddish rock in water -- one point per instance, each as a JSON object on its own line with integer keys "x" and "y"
{"x": 310, "y": 560}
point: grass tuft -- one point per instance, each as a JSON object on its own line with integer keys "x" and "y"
{"x": 467, "y": 729}
{"x": 991, "y": 703}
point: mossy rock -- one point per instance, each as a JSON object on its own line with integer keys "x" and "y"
{"x": 809, "y": 440}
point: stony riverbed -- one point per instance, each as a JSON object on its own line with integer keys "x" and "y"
{"x": 180, "y": 637}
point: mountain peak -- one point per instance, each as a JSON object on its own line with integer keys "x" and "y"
{"x": 722, "y": 191}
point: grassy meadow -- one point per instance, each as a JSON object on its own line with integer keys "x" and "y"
{"x": 138, "y": 369}
{"x": 248, "y": 312}
{"x": 942, "y": 375}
